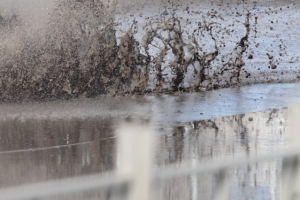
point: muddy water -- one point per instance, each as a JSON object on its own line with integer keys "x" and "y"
{"x": 54, "y": 140}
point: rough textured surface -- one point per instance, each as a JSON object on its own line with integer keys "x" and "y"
{"x": 88, "y": 49}
{"x": 67, "y": 61}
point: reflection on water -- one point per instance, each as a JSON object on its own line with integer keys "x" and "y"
{"x": 34, "y": 150}
{"x": 245, "y": 134}
{"x": 38, "y": 150}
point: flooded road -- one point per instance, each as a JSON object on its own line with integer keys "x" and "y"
{"x": 55, "y": 140}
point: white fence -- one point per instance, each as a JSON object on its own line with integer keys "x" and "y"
{"x": 135, "y": 172}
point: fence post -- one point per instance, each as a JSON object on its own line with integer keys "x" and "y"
{"x": 135, "y": 149}
{"x": 291, "y": 166}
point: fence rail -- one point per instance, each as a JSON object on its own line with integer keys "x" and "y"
{"x": 114, "y": 179}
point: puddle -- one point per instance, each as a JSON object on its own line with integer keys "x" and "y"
{"x": 53, "y": 143}
{"x": 245, "y": 134}
{"x": 40, "y": 150}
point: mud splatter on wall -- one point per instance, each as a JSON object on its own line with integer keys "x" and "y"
{"x": 89, "y": 48}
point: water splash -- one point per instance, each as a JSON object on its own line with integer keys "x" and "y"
{"x": 88, "y": 48}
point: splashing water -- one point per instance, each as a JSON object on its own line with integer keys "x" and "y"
{"x": 91, "y": 47}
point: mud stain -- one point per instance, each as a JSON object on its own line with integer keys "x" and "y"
{"x": 86, "y": 50}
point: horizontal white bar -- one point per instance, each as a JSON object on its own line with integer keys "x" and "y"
{"x": 105, "y": 180}
{"x": 188, "y": 168}
{"x": 65, "y": 186}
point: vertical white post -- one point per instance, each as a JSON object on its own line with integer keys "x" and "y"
{"x": 291, "y": 178}
{"x": 222, "y": 190}
{"x": 135, "y": 148}
{"x": 194, "y": 177}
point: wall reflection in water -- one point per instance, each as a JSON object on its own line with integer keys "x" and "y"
{"x": 215, "y": 139}
{"x": 38, "y": 150}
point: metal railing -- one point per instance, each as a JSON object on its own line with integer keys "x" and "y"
{"x": 136, "y": 173}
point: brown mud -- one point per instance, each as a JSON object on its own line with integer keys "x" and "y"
{"x": 79, "y": 53}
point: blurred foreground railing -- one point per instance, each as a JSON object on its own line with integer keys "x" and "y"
{"x": 136, "y": 174}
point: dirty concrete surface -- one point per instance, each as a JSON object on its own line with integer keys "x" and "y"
{"x": 90, "y": 48}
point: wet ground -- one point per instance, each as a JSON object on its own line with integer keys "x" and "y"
{"x": 54, "y": 140}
